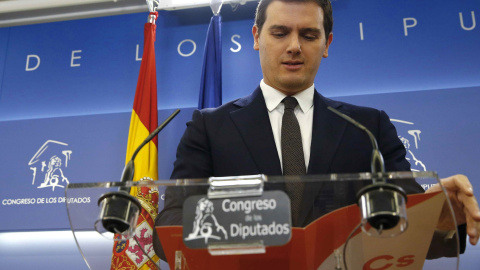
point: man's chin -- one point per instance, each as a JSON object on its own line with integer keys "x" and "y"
{"x": 294, "y": 86}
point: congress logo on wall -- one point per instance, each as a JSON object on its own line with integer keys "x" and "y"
{"x": 410, "y": 137}
{"x": 49, "y": 165}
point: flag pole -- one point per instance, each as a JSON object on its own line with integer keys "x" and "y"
{"x": 152, "y": 17}
{"x": 210, "y": 95}
{"x": 152, "y": 7}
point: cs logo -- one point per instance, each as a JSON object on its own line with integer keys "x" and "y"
{"x": 385, "y": 262}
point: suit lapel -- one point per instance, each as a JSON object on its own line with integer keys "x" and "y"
{"x": 253, "y": 124}
{"x": 327, "y": 132}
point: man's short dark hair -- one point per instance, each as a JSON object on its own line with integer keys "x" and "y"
{"x": 261, "y": 16}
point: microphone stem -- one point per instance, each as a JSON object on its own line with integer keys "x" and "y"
{"x": 129, "y": 169}
{"x": 377, "y": 165}
{"x": 155, "y": 132}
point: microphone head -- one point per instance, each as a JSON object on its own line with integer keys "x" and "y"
{"x": 118, "y": 215}
{"x": 383, "y": 207}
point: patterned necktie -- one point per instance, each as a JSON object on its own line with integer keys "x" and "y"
{"x": 292, "y": 155}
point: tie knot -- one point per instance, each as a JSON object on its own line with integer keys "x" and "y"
{"x": 290, "y": 103}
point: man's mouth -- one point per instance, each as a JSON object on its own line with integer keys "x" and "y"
{"x": 292, "y": 65}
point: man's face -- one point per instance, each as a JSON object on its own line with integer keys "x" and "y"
{"x": 291, "y": 45}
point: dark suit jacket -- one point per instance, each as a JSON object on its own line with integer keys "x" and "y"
{"x": 237, "y": 139}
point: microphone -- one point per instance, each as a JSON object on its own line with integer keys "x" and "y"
{"x": 129, "y": 170}
{"x": 119, "y": 210}
{"x": 382, "y": 205}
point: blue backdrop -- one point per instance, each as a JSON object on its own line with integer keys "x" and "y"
{"x": 67, "y": 88}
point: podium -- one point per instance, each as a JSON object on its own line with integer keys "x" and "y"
{"x": 244, "y": 223}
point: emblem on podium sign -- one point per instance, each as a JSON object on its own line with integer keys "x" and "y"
{"x": 205, "y": 224}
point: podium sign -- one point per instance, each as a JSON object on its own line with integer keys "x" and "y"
{"x": 231, "y": 221}
{"x": 330, "y": 239}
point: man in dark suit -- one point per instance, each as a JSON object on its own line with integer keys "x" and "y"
{"x": 237, "y": 139}
{"x": 243, "y": 137}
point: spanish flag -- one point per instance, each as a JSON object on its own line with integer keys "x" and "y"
{"x": 130, "y": 254}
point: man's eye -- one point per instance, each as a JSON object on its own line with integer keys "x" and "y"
{"x": 279, "y": 35}
{"x": 310, "y": 37}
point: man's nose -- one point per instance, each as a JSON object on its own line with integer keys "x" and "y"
{"x": 294, "y": 46}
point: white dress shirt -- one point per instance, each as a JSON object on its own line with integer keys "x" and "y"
{"x": 303, "y": 112}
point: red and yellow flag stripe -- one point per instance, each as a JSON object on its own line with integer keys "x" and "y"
{"x": 144, "y": 120}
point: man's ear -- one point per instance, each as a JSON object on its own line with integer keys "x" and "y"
{"x": 329, "y": 41}
{"x": 255, "y": 34}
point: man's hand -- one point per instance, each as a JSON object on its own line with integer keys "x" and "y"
{"x": 460, "y": 192}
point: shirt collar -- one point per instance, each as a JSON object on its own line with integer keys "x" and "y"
{"x": 274, "y": 97}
